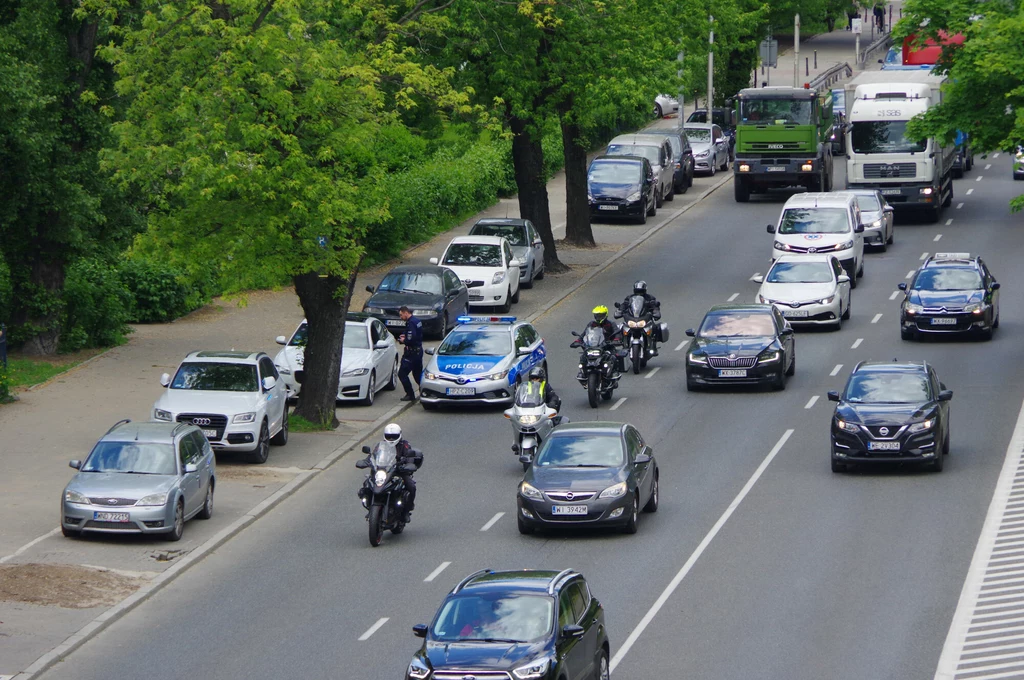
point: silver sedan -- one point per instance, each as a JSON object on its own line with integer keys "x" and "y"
{"x": 877, "y": 217}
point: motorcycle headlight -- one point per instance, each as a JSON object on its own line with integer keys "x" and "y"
{"x": 160, "y": 414}
{"x": 827, "y": 301}
{"x": 282, "y": 370}
{"x": 631, "y": 324}
{"x": 418, "y": 670}
{"x": 614, "y": 491}
{"x": 695, "y": 358}
{"x": 845, "y": 245}
{"x": 497, "y": 278}
{"x": 912, "y": 308}
{"x": 528, "y": 419}
{"x": 355, "y": 372}
{"x": 641, "y": 323}
{"x": 633, "y": 198}
{"x": 533, "y": 670}
{"x": 500, "y": 375}
{"x": 75, "y": 497}
{"x": 921, "y": 426}
{"x": 379, "y": 477}
{"x": 974, "y": 307}
{"x": 847, "y": 427}
{"x": 153, "y": 499}
{"x": 244, "y": 417}
{"x": 768, "y": 357}
{"x": 593, "y": 352}
{"x": 530, "y": 491}
{"x": 779, "y": 245}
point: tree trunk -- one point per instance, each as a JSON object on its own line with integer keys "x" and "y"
{"x": 577, "y": 207}
{"x": 46, "y": 278}
{"x": 528, "y": 165}
{"x": 325, "y": 302}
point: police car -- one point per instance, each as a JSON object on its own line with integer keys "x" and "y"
{"x": 950, "y": 293}
{"x": 481, "y": 361}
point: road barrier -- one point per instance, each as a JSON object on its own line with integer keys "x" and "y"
{"x": 831, "y": 76}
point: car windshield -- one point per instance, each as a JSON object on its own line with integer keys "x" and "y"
{"x": 648, "y": 152}
{"x": 138, "y": 457}
{"x": 868, "y": 203}
{"x": 216, "y": 377}
{"x": 948, "y": 278}
{"x": 884, "y": 136}
{"x": 355, "y": 336}
{"x": 814, "y": 221}
{"x": 800, "y": 272}
{"x": 737, "y": 325}
{"x": 776, "y": 111}
{"x": 698, "y": 134}
{"x": 428, "y": 283}
{"x": 717, "y": 117}
{"x": 888, "y": 388}
{"x": 584, "y": 450}
{"x": 494, "y": 617}
{"x": 476, "y": 343}
{"x": 839, "y": 99}
{"x": 614, "y": 173}
{"x": 473, "y": 255}
{"x": 515, "y": 233}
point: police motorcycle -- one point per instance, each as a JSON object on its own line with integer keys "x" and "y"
{"x": 383, "y": 493}
{"x": 598, "y": 360}
{"x": 532, "y": 420}
{"x": 642, "y": 328}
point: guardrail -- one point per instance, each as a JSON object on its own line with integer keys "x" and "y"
{"x": 834, "y": 74}
{"x": 882, "y": 43}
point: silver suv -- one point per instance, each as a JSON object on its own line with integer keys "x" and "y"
{"x": 659, "y": 153}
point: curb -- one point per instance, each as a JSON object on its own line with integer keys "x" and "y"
{"x": 114, "y": 613}
{"x": 71, "y": 370}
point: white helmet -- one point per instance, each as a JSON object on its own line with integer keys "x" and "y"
{"x": 392, "y": 432}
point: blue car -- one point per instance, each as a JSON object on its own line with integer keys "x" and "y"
{"x": 481, "y": 361}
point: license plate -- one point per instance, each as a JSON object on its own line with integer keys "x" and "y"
{"x": 607, "y": 207}
{"x": 210, "y": 434}
{"x": 568, "y": 509}
{"x": 775, "y": 168}
{"x": 943, "y": 321}
{"x": 732, "y": 373}
{"x": 883, "y": 446}
{"x": 793, "y": 313}
{"x": 395, "y": 322}
{"x": 890, "y": 192}
{"x": 110, "y": 516}
{"x": 460, "y": 391}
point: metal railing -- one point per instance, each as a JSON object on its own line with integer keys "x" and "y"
{"x": 882, "y": 43}
{"x": 833, "y": 75}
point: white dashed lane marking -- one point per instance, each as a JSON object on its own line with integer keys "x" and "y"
{"x": 995, "y": 155}
{"x": 856, "y": 343}
{"x": 492, "y": 521}
{"x": 733, "y": 296}
{"x": 910, "y": 273}
{"x": 373, "y": 629}
{"x": 938, "y": 237}
{"x": 620, "y": 402}
{"x": 979, "y": 178}
{"x": 835, "y": 371}
{"x": 895, "y": 294}
{"x": 437, "y": 572}
{"x": 682, "y": 345}
{"x": 988, "y": 166}
{"x": 970, "y": 191}
{"x": 811, "y": 401}
{"x": 959, "y": 205}
{"x": 924, "y": 256}
{"x": 651, "y": 373}
{"x": 949, "y": 221}
{"x": 876, "y": 318}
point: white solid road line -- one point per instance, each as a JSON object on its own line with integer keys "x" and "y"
{"x": 856, "y": 343}
{"x": 876, "y": 318}
{"x": 979, "y": 178}
{"x": 733, "y": 296}
{"x": 924, "y": 256}
{"x": 492, "y": 521}
{"x": 938, "y": 237}
{"x": 835, "y": 371}
{"x": 620, "y": 402}
{"x": 681, "y": 345}
{"x": 970, "y": 191}
{"x": 437, "y": 572}
{"x": 692, "y": 560}
{"x": 949, "y": 221}
{"x": 911, "y": 273}
{"x": 756, "y": 274}
{"x": 959, "y": 205}
{"x": 895, "y": 294}
{"x": 8, "y": 558}
{"x": 813, "y": 400}
{"x": 373, "y": 629}
{"x": 650, "y": 374}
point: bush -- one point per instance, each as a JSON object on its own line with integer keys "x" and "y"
{"x": 97, "y": 306}
{"x": 161, "y": 293}
{"x": 5, "y": 385}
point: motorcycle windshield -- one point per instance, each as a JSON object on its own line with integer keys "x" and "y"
{"x": 636, "y": 305}
{"x": 384, "y": 455}
{"x": 593, "y": 337}
{"x": 529, "y": 395}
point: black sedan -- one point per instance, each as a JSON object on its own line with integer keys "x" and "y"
{"x": 589, "y": 474}
{"x": 741, "y": 345}
{"x": 891, "y": 413}
{"x": 950, "y": 293}
{"x": 621, "y": 186}
{"x": 435, "y": 295}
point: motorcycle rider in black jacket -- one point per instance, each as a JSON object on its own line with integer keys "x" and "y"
{"x": 640, "y": 288}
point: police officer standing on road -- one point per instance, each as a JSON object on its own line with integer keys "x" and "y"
{"x": 412, "y": 357}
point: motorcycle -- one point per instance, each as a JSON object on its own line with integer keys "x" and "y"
{"x": 532, "y": 420}
{"x": 383, "y": 493}
{"x": 597, "y": 364}
{"x": 642, "y": 329}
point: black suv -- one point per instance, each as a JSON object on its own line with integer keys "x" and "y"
{"x": 891, "y": 413}
{"x": 950, "y": 293}
{"x": 515, "y": 625}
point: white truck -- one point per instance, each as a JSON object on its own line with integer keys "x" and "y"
{"x": 911, "y": 174}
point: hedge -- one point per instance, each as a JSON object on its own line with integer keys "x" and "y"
{"x": 97, "y": 306}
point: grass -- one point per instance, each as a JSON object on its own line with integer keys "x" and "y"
{"x": 28, "y": 372}
{"x": 300, "y": 424}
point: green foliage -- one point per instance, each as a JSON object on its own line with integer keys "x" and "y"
{"x": 739, "y": 26}
{"x": 28, "y": 372}
{"x": 299, "y": 424}
{"x": 160, "y": 292}
{"x": 6, "y": 291}
{"x": 5, "y": 385}
{"x": 97, "y": 306}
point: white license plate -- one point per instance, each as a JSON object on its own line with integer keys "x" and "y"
{"x": 111, "y": 516}
{"x": 607, "y": 207}
{"x": 775, "y": 168}
{"x": 568, "y": 509}
{"x": 460, "y": 391}
{"x": 943, "y": 321}
{"x": 732, "y": 373}
{"x": 883, "y": 446}
{"x": 793, "y": 313}
{"x": 890, "y": 192}
{"x": 395, "y": 322}
{"x": 210, "y": 434}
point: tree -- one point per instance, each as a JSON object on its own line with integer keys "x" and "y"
{"x": 984, "y": 96}
{"x": 253, "y": 124}
{"x": 739, "y": 26}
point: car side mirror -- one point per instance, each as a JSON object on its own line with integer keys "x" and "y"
{"x": 362, "y": 463}
{"x": 369, "y": 289}
{"x": 843, "y": 278}
{"x": 689, "y": 332}
{"x": 76, "y": 464}
{"x": 428, "y": 350}
{"x": 642, "y": 459}
{"x": 433, "y": 260}
{"x": 889, "y": 209}
{"x": 420, "y": 630}
{"x": 165, "y": 379}
{"x": 190, "y": 467}
{"x": 572, "y": 631}
{"x": 833, "y": 396}
{"x": 759, "y": 278}
{"x": 269, "y": 382}
{"x": 881, "y": 61}
{"x": 901, "y": 285}
{"x": 574, "y": 334}
{"x": 381, "y": 344}
{"x": 771, "y": 228}
{"x": 618, "y": 305}
{"x": 524, "y": 351}
{"x": 945, "y": 395}
{"x": 859, "y": 229}
{"x": 995, "y": 285}
{"x": 299, "y": 376}
{"x": 515, "y": 262}
{"x": 281, "y": 340}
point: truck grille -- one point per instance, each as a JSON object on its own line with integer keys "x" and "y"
{"x": 726, "y": 362}
{"x": 775, "y": 146}
{"x": 886, "y": 170}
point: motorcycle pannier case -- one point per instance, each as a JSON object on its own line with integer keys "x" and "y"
{"x": 661, "y": 330}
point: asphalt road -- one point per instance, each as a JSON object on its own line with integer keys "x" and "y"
{"x": 783, "y": 570}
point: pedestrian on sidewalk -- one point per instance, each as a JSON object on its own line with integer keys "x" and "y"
{"x": 851, "y": 15}
{"x": 880, "y": 18}
{"x": 412, "y": 356}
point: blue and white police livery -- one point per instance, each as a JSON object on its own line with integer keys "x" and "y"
{"x": 481, "y": 361}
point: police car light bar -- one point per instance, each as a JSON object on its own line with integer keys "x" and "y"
{"x": 952, "y": 256}
{"x": 485, "y": 319}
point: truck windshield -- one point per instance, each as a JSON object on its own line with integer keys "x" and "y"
{"x": 776, "y": 111}
{"x": 883, "y": 136}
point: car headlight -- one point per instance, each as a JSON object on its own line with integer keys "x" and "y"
{"x": 877, "y": 224}
{"x": 827, "y": 301}
{"x": 614, "y": 491}
{"x": 373, "y": 310}
{"x": 244, "y": 417}
{"x": 912, "y": 308}
{"x": 528, "y": 419}
{"x": 530, "y": 491}
{"x": 768, "y": 357}
{"x": 355, "y": 372}
{"x": 75, "y": 497}
{"x": 702, "y": 154}
{"x": 633, "y": 198}
{"x": 845, "y": 245}
{"x": 418, "y": 669}
{"x": 974, "y": 307}
{"x": 695, "y": 358}
{"x": 282, "y": 370}
{"x": 380, "y": 477}
{"x": 497, "y": 278}
{"x": 847, "y": 427}
{"x": 153, "y": 499}
{"x": 779, "y": 245}
{"x": 160, "y": 414}
{"x": 533, "y": 670}
{"x": 425, "y": 313}
{"x": 921, "y": 426}
{"x": 430, "y": 376}
{"x": 500, "y": 375}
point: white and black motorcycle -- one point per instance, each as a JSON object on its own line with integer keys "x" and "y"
{"x": 383, "y": 493}
{"x": 532, "y": 420}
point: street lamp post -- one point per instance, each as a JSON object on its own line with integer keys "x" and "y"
{"x": 682, "y": 87}
{"x": 796, "y": 51}
{"x": 711, "y": 65}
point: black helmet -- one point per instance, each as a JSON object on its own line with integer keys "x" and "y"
{"x": 640, "y": 288}
{"x": 537, "y": 373}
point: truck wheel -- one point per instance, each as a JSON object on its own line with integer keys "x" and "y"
{"x": 741, "y": 187}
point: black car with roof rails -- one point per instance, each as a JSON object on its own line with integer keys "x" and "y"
{"x": 621, "y": 187}
{"x": 434, "y": 294}
{"x": 515, "y": 625}
{"x": 950, "y": 293}
{"x": 891, "y": 412}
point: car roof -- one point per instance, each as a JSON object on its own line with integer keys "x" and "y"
{"x": 740, "y": 307}
{"x": 777, "y": 92}
{"x": 151, "y": 431}
{"x": 819, "y": 199}
{"x": 225, "y": 356}
{"x": 480, "y": 327}
{"x": 891, "y": 366}
{"x": 540, "y": 581}
{"x": 354, "y": 318}
{"x": 952, "y": 260}
{"x": 501, "y": 222}
{"x": 479, "y": 239}
{"x": 595, "y": 427}
{"x": 861, "y": 192}
{"x": 803, "y": 257}
{"x": 618, "y": 159}
{"x": 636, "y": 139}
{"x": 416, "y": 269}
{"x": 701, "y": 126}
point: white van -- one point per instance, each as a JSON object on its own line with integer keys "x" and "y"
{"x": 822, "y": 223}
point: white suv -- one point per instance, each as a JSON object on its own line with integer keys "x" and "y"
{"x": 237, "y": 399}
{"x": 822, "y": 223}
{"x": 488, "y": 268}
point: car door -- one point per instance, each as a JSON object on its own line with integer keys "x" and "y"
{"x": 586, "y": 618}
{"x": 785, "y": 334}
{"x": 843, "y": 288}
{"x": 641, "y": 471}
{"x": 188, "y": 454}
{"x": 204, "y": 463}
{"x": 991, "y": 296}
{"x": 456, "y": 300}
{"x": 511, "y": 272}
{"x": 381, "y": 367}
{"x": 537, "y": 246}
{"x": 936, "y": 386}
{"x": 571, "y": 651}
{"x": 717, "y": 139}
{"x": 275, "y": 398}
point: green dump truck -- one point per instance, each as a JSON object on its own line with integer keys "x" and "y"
{"x": 783, "y": 138}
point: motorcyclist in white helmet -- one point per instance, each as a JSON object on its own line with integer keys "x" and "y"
{"x": 406, "y": 455}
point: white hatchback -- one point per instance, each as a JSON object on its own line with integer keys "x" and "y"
{"x": 807, "y": 289}
{"x": 822, "y": 223}
{"x": 488, "y": 268}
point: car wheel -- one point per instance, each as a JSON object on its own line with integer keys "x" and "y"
{"x": 653, "y": 210}
{"x": 741, "y": 189}
{"x": 529, "y": 279}
{"x": 725, "y": 165}
{"x": 860, "y": 269}
{"x": 659, "y": 198}
{"x": 792, "y": 365}
{"x": 631, "y": 524}
{"x": 281, "y": 438}
{"x": 643, "y": 217}
{"x": 853, "y": 279}
{"x": 368, "y": 399}
{"x": 393, "y": 381}
{"x": 443, "y": 331}
{"x": 70, "y": 533}
{"x": 207, "y": 511}
{"x": 714, "y": 167}
{"x": 938, "y": 463}
{"x": 178, "y": 529}
{"x": 907, "y": 335}
{"x": 671, "y": 195}
{"x": 985, "y": 334}
{"x": 995, "y": 324}
{"x": 524, "y": 528}
{"x": 260, "y": 454}
{"x": 540, "y": 274}
{"x": 837, "y": 466}
{"x": 892, "y": 235}
{"x": 515, "y": 296}
{"x": 658, "y": 113}
{"x": 504, "y": 309}
{"x": 603, "y": 672}
{"x": 689, "y": 178}
{"x": 652, "y": 502}
{"x": 779, "y": 382}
